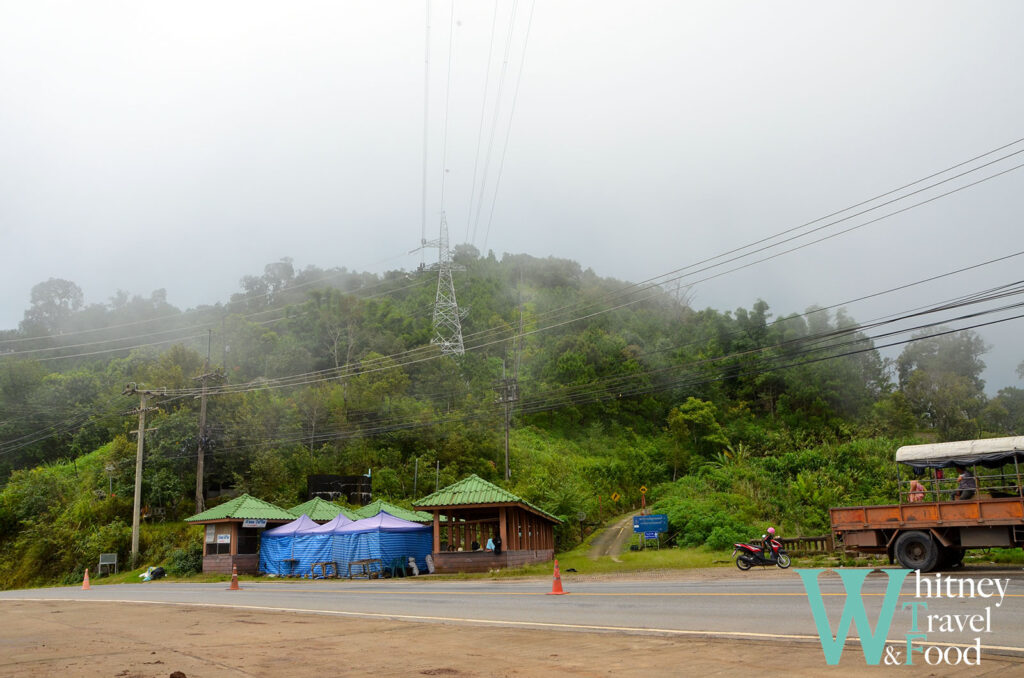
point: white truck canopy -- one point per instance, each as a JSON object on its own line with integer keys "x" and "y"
{"x": 992, "y": 452}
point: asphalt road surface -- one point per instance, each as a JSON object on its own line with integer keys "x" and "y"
{"x": 769, "y": 605}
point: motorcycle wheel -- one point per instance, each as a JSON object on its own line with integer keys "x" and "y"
{"x": 742, "y": 563}
{"x": 784, "y": 561}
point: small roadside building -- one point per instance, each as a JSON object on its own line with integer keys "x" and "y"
{"x": 322, "y": 511}
{"x": 375, "y": 507}
{"x": 232, "y": 533}
{"x": 474, "y": 511}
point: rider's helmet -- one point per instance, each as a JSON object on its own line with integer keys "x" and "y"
{"x": 771, "y": 531}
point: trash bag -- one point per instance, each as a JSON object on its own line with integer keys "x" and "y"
{"x": 152, "y": 573}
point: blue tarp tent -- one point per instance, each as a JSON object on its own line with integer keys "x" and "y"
{"x": 278, "y": 554}
{"x": 382, "y": 536}
{"x": 316, "y": 545}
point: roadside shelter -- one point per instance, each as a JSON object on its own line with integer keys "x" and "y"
{"x": 322, "y": 511}
{"x": 375, "y": 507}
{"x": 317, "y": 545}
{"x": 474, "y": 511}
{"x": 383, "y": 537}
{"x": 232, "y": 537}
{"x": 280, "y": 552}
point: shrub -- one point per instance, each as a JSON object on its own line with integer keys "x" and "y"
{"x": 186, "y": 561}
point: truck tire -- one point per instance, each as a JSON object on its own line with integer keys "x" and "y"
{"x": 917, "y": 551}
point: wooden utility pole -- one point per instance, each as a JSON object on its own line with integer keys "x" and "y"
{"x": 137, "y": 504}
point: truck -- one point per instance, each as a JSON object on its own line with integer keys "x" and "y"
{"x": 959, "y": 495}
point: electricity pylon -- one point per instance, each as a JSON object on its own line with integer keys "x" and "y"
{"x": 447, "y": 317}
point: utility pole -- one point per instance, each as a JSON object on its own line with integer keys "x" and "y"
{"x": 508, "y": 393}
{"x": 201, "y": 452}
{"x": 508, "y": 387}
{"x": 130, "y": 389}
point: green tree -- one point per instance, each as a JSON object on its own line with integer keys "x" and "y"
{"x": 53, "y": 303}
{"x": 694, "y": 427}
{"x": 941, "y": 379}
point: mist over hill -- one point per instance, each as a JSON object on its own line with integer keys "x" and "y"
{"x": 610, "y": 386}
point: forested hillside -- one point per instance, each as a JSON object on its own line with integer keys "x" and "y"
{"x": 732, "y": 417}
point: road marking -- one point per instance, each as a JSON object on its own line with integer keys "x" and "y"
{"x": 739, "y": 635}
{"x": 577, "y": 594}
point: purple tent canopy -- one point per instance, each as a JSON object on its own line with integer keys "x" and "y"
{"x": 333, "y": 526}
{"x": 300, "y": 526}
{"x": 382, "y": 522}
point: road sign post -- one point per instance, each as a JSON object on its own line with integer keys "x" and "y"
{"x": 656, "y": 522}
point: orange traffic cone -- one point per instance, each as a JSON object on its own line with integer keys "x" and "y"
{"x": 85, "y": 582}
{"x": 234, "y": 579}
{"x": 556, "y": 585}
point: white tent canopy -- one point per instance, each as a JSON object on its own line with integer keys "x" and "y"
{"x": 987, "y": 452}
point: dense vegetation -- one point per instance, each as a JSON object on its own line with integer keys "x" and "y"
{"x": 732, "y": 418}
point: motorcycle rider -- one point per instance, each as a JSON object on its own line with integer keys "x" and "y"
{"x": 766, "y": 545}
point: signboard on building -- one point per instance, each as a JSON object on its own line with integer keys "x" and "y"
{"x": 656, "y": 522}
{"x": 254, "y": 522}
{"x": 224, "y": 538}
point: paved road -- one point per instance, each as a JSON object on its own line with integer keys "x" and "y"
{"x": 771, "y": 605}
{"x": 613, "y": 539}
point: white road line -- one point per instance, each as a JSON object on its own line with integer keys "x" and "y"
{"x": 740, "y": 635}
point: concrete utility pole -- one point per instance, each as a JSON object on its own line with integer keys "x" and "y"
{"x": 201, "y": 452}
{"x": 508, "y": 389}
{"x": 508, "y": 393}
{"x": 137, "y": 504}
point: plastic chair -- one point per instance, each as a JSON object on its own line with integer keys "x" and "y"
{"x": 398, "y": 565}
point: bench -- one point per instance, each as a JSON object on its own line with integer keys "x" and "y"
{"x": 371, "y": 568}
{"x": 107, "y": 559}
{"x": 325, "y": 569}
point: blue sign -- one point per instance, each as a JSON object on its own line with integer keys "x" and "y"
{"x": 657, "y": 522}
{"x": 650, "y": 535}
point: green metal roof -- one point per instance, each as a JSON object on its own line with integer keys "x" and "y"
{"x": 321, "y": 509}
{"x": 373, "y": 508}
{"x": 243, "y": 507}
{"x": 475, "y": 490}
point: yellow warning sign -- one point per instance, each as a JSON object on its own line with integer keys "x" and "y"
{"x": 615, "y": 496}
{"x": 643, "y": 489}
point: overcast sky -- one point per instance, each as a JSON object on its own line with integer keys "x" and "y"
{"x": 183, "y": 145}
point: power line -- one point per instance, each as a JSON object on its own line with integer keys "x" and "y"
{"x": 508, "y": 131}
{"x": 494, "y": 119}
{"x": 480, "y": 127}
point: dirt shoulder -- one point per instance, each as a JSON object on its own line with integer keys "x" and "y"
{"x": 142, "y": 641}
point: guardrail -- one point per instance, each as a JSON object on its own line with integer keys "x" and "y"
{"x": 808, "y": 546}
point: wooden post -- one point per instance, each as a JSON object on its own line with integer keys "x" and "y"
{"x": 503, "y": 527}
{"x": 437, "y": 531}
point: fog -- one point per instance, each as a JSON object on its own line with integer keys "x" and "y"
{"x": 184, "y": 145}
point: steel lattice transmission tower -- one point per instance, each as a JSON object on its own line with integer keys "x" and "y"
{"x": 447, "y": 317}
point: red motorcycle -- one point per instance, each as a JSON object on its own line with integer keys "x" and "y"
{"x": 748, "y": 555}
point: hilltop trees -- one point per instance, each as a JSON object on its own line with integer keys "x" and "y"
{"x": 940, "y": 374}
{"x": 53, "y": 303}
{"x": 332, "y": 371}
